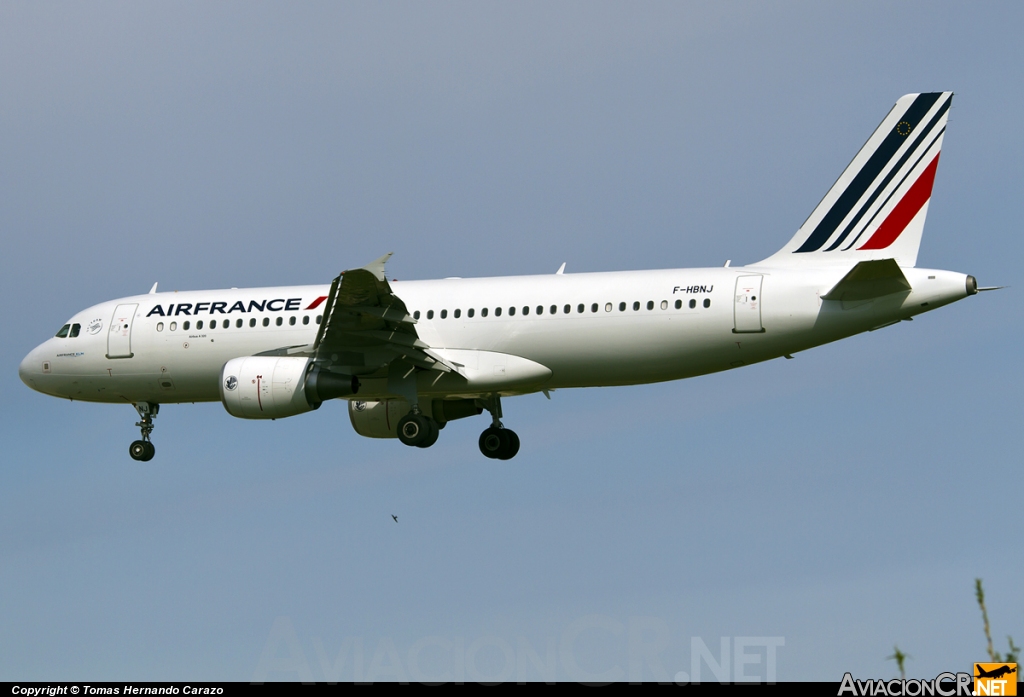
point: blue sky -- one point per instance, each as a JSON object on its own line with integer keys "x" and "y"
{"x": 843, "y": 501}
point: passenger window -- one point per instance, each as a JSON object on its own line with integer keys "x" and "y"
{"x": 252, "y": 322}
{"x": 511, "y": 311}
{"x": 213, "y": 324}
{"x": 291, "y": 321}
{"x": 199, "y": 324}
{"x": 526, "y": 309}
{"x": 185, "y": 325}
{"x": 63, "y": 332}
{"x": 238, "y": 323}
{"x": 679, "y": 304}
{"x": 318, "y": 318}
{"x": 607, "y": 307}
{"x": 707, "y": 302}
{"x": 483, "y": 312}
{"x": 174, "y": 325}
{"x": 159, "y": 326}
{"x": 650, "y": 304}
{"x": 593, "y": 308}
{"x": 664, "y": 304}
{"x": 266, "y": 321}
{"x": 416, "y": 315}
{"x": 305, "y": 320}
{"x": 693, "y": 303}
{"x": 279, "y": 321}
{"x": 470, "y": 312}
{"x": 540, "y": 309}
{"x": 497, "y": 312}
{"x": 636, "y": 305}
{"x": 458, "y": 313}
{"x": 430, "y": 314}
{"x": 568, "y": 308}
{"x": 444, "y": 314}
{"x": 622, "y": 307}
{"x": 75, "y": 328}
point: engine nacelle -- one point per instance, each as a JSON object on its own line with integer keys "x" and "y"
{"x": 273, "y": 387}
{"x": 380, "y": 419}
{"x": 377, "y": 419}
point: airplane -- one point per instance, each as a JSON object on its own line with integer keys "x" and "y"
{"x": 995, "y": 672}
{"x": 410, "y": 356}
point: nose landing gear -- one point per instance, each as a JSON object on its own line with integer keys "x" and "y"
{"x": 498, "y": 442}
{"x": 143, "y": 450}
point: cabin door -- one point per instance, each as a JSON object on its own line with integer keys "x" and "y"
{"x": 119, "y": 338}
{"x": 747, "y": 305}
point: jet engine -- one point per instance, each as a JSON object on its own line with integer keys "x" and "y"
{"x": 379, "y": 419}
{"x": 273, "y": 387}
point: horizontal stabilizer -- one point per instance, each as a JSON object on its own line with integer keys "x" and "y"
{"x": 868, "y": 280}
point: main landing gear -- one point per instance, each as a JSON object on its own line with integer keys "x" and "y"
{"x": 418, "y": 430}
{"x": 143, "y": 450}
{"x": 498, "y": 442}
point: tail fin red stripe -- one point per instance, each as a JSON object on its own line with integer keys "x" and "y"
{"x": 909, "y": 206}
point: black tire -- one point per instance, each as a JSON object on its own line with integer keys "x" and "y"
{"x": 150, "y": 451}
{"x": 493, "y": 442}
{"x": 513, "y": 445}
{"x": 431, "y": 438}
{"x": 139, "y": 451}
{"x": 413, "y": 429}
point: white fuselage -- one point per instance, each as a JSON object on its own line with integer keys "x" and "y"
{"x": 685, "y": 325}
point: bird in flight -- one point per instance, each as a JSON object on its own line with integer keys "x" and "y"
{"x": 395, "y": 517}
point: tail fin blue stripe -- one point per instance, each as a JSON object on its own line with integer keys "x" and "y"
{"x": 868, "y": 173}
{"x": 892, "y": 173}
{"x": 898, "y": 187}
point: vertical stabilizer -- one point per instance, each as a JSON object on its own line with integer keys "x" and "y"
{"x": 877, "y": 207}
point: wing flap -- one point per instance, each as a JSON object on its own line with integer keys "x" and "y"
{"x": 363, "y": 317}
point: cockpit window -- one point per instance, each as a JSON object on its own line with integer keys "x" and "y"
{"x": 75, "y": 328}
{"x": 63, "y": 333}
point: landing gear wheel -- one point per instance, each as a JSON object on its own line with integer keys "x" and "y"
{"x": 492, "y": 442}
{"x": 414, "y": 429}
{"x": 513, "y": 445}
{"x": 435, "y": 431}
{"x": 141, "y": 450}
{"x": 499, "y": 443}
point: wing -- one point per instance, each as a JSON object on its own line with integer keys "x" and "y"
{"x": 366, "y": 326}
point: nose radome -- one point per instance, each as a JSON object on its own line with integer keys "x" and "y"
{"x": 28, "y": 368}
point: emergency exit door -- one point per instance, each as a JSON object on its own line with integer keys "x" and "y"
{"x": 747, "y": 305}
{"x": 119, "y": 338}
